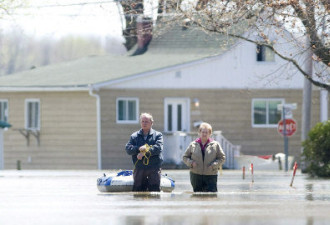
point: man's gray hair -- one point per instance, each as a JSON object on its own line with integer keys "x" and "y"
{"x": 148, "y": 115}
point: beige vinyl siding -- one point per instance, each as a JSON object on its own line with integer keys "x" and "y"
{"x": 68, "y": 137}
{"x": 115, "y": 136}
{"x": 226, "y": 110}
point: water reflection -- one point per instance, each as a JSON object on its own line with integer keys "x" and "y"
{"x": 204, "y": 196}
{"x": 135, "y": 220}
{"x": 309, "y": 192}
{"x": 317, "y": 191}
{"x": 310, "y": 221}
{"x": 71, "y": 197}
{"x": 172, "y": 220}
{"x": 146, "y": 195}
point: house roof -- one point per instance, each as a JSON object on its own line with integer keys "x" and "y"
{"x": 176, "y": 46}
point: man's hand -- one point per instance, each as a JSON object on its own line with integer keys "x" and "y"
{"x": 193, "y": 164}
{"x": 143, "y": 149}
{"x": 140, "y": 156}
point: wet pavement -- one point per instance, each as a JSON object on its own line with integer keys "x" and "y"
{"x": 71, "y": 197}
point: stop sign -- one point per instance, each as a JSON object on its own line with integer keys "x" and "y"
{"x": 290, "y": 126}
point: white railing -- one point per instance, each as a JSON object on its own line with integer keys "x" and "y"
{"x": 1, "y": 149}
{"x": 176, "y": 143}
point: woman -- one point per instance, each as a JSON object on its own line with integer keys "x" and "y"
{"x": 204, "y": 156}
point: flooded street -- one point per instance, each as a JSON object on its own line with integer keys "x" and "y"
{"x": 71, "y": 197}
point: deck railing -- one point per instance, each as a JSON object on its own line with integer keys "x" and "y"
{"x": 175, "y": 144}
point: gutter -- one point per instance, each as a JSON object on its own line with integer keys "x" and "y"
{"x": 98, "y": 125}
{"x": 41, "y": 89}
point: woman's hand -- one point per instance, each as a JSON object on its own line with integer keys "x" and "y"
{"x": 193, "y": 164}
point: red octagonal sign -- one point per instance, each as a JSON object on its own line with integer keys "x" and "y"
{"x": 291, "y": 127}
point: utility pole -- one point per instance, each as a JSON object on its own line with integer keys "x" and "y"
{"x": 324, "y": 96}
{"x": 286, "y": 141}
{"x": 307, "y": 99}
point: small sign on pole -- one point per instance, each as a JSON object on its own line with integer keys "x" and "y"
{"x": 287, "y": 109}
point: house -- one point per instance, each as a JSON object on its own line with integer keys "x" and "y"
{"x": 80, "y": 114}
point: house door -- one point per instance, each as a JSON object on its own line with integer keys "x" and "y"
{"x": 177, "y": 116}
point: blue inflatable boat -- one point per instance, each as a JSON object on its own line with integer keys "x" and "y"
{"x": 123, "y": 182}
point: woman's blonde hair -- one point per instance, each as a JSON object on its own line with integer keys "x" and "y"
{"x": 205, "y": 125}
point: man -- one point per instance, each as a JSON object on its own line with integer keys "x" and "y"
{"x": 146, "y": 146}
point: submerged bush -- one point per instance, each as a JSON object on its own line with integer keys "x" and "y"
{"x": 317, "y": 150}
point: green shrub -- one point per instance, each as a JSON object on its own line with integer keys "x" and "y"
{"x": 317, "y": 150}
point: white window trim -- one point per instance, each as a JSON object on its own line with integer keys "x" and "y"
{"x": 6, "y": 100}
{"x": 26, "y": 113}
{"x": 137, "y": 110}
{"x": 267, "y": 112}
{"x": 187, "y": 116}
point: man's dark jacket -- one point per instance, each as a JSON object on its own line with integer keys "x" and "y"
{"x": 155, "y": 139}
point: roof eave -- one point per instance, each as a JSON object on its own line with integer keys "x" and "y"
{"x": 44, "y": 88}
{"x": 99, "y": 85}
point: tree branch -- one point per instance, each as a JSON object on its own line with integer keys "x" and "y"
{"x": 307, "y": 17}
{"x": 294, "y": 62}
{"x": 291, "y": 60}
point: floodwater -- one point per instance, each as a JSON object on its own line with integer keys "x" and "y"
{"x": 71, "y": 197}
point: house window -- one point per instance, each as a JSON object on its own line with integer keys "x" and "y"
{"x": 32, "y": 114}
{"x": 127, "y": 110}
{"x": 265, "y": 113}
{"x": 4, "y": 110}
{"x": 265, "y": 54}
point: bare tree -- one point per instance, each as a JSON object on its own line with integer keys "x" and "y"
{"x": 7, "y": 7}
{"x": 270, "y": 21}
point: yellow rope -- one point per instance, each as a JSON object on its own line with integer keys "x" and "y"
{"x": 145, "y": 159}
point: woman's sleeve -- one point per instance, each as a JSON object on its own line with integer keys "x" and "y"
{"x": 220, "y": 154}
{"x": 187, "y": 156}
{"x": 220, "y": 157}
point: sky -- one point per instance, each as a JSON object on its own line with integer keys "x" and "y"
{"x": 57, "y": 18}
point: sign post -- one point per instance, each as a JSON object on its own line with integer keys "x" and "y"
{"x": 287, "y": 127}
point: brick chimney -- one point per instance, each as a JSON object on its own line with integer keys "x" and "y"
{"x": 144, "y": 34}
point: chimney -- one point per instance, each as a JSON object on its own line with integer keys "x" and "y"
{"x": 144, "y": 34}
{"x": 186, "y": 23}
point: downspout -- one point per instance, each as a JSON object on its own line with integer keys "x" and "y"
{"x": 98, "y": 125}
